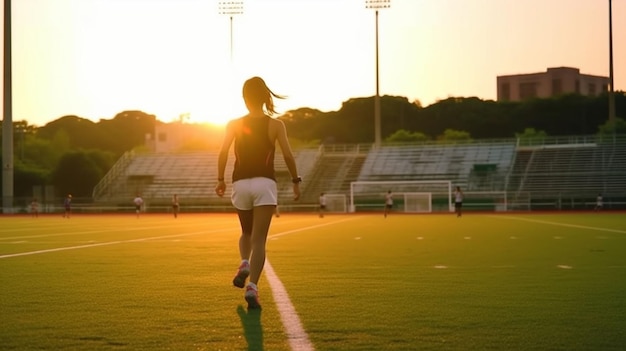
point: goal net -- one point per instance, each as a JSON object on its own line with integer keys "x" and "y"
{"x": 418, "y": 202}
{"x": 336, "y": 203}
{"x": 408, "y": 196}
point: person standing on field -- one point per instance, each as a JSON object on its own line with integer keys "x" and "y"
{"x": 599, "y": 203}
{"x": 458, "y": 201}
{"x": 388, "y": 202}
{"x": 175, "y": 205}
{"x": 67, "y": 205}
{"x": 277, "y": 210}
{"x": 255, "y": 193}
{"x": 138, "y": 201}
{"x": 34, "y": 207}
{"x": 322, "y": 201}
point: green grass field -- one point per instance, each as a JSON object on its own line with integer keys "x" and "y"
{"x": 357, "y": 282}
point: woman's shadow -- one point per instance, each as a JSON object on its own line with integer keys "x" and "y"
{"x": 252, "y": 329}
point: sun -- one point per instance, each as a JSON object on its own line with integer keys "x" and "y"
{"x": 197, "y": 102}
{"x": 216, "y": 112}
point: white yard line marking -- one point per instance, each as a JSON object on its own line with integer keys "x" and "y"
{"x": 296, "y": 335}
{"x": 66, "y": 248}
{"x": 563, "y": 224}
{"x": 313, "y": 227}
{"x": 95, "y": 231}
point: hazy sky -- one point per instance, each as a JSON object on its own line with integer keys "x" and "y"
{"x": 96, "y": 58}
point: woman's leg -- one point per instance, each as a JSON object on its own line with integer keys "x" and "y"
{"x": 245, "y": 243}
{"x": 261, "y": 220}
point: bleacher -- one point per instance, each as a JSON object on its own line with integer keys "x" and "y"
{"x": 549, "y": 169}
{"x": 191, "y": 175}
{"x": 458, "y": 163}
{"x": 334, "y": 169}
{"x": 570, "y": 170}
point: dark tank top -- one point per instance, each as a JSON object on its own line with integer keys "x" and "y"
{"x": 254, "y": 152}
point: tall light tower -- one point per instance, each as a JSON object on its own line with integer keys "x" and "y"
{"x": 611, "y": 87}
{"x": 7, "y": 119}
{"x": 377, "y": 5}
{"x": 230, "y": 9}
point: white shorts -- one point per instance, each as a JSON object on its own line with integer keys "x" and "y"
{"x": 253, "y": 192}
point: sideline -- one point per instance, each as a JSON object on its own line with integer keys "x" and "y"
{"x": 560, "y": 224}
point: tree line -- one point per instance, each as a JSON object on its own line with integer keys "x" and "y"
{"x": 73, "y": 153}
{"x": 571, "y": 114}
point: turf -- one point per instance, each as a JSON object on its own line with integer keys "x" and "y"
{"x": 357, "y": 282}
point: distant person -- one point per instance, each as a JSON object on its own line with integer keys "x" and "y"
{"x": 175, "y": 205}
{"x": 138, "y": 201}
{"x": 388, "y": 202}
{"x": 34, "y": 207}
{"x": 599, "y": 203}
{"x": 458, "y": 201}
{"x": 67, "y": 205}
{"x": 254, "y": 193}
{"x": 322, "y": 202}
{"x": 277, "y": 210}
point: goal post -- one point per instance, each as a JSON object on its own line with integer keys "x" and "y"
{"x": 418, "y": 202}
{"x": 336, "y": 203}
{"x": 409, "y": 196}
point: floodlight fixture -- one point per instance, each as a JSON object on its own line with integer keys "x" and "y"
{"x": 230, "y": 9}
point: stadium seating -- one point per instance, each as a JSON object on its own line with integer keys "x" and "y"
{"x": 547, "y": 170}
{"x": 570, "y": 170}
{"x": 191, "y": 175}
{"x": 456, "y": 162}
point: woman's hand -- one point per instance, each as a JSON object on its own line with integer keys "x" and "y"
{"x": 220, "y": 188}
{"x": 296, "y": 191}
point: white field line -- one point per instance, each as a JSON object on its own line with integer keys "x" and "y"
{"x": 66, "y": 248}
{"x": 93, "y": 231}
{"x": 563, "y": 224}
{"x": 313, "y": 227}
{"x": 296, "y": 335}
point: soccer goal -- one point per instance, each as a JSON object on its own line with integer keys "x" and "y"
{"x": 336, "y": 203}
{"x": 409, "y": 196}
{"x": 418, "y": 202}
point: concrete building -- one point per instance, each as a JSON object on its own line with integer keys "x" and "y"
{"x": 554, "y": 82}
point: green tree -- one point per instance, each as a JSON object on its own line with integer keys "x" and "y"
{"x": 531, "y": 133}
{"x": 41, "y": 153}
{"x": 78, "y": 172}
{"x": 609, "y": 128}
{"x": 454, "y": 135}
{"x": 127, "y": 130}
{"x": 402, "y": 136}
{"x": 26, "y": 177}
{"x": 531, "y": 136}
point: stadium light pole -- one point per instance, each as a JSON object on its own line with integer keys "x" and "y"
{"x": 7, "y": 119}
{"x": 611, "y": 88}
{"x": 377, "y": 5}
{"x": 230, "y": 9}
